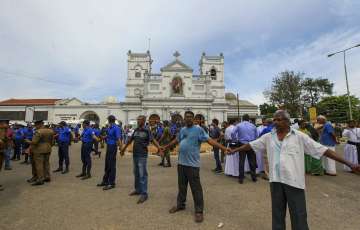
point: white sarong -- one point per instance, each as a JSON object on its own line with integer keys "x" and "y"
{"x": 232, "y": 164}
{"x": 329, "y": 164}
{"x": 350, "y": 154}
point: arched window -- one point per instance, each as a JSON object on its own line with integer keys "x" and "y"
{"x": 138, "y": 71}
{"x": 213, "y": 74}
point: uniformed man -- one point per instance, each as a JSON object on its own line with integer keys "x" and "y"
{"x": 41, "y": 145}
{"x": 4, "y": 142}
{"x": 64, "y": 141}
{"x": 28, "y": 135}
{"x": 18, "y": 141}
{"x": 97, "y": 132}
{"x": 113, "y": 142}
{"x": 87, "y": 138}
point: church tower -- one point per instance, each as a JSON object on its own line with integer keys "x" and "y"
{"x": 212, "y": 67}
{"x": 139, "y": 67}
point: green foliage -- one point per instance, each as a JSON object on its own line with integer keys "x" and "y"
{"x": 286, "y": 91}
{"x": 315, "y": 89}
{"x": 267, "y": 109}
{"x": 336, "y": 108}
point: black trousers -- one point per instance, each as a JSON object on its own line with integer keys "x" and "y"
{"x": 282, "y": 195}
{"x": 110, "y": 165}
{"x": 251, "y": 156}
{"x": 190, "y": 175}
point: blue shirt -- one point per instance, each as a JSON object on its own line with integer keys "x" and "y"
{"x": 76, "y": 129}
{"x": 64, "y": 135}
{"x": 267, "y": 129}
{"x": 326, "y": 137}
{"x": 113, "y": 133}
{"x": 190, "y": 139}
{"x": 28, "y": 133}
{"x": 244, "y": 132}
{"x": 97, "y": 132}
{"x": 86, "y": 136}
{"x": 19, "y": 134}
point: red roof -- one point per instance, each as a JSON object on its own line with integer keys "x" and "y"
{"x": 25, "y": 102}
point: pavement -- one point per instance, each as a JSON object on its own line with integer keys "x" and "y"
{"x": 69, "y": 203}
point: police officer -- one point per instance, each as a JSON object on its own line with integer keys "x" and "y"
{"x": 113, "y": 142}
{"x": 87, "y": 138}
{"x": 41, "y": 145}
{"x": 18, "y": 141}
{"x": 28, "y": 135}
{"x": 97, "y": 132}
{"x": 64, "y": 141}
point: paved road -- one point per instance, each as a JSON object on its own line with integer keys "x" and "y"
{"x": 69, "y": 203}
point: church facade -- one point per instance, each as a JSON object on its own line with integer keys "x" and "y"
{"x": 162, "y": 95}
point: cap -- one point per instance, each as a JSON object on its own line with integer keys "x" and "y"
{"x": 38, "y": 122}
{"x": 62, "y": 123}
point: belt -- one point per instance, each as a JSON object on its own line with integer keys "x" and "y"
{"x": 353, "y": 143}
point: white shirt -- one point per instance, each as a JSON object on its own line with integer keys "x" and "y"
{"x": 352, "y": 134}
{"x": 286, "y": 158}
{"x": 228, "y": 132}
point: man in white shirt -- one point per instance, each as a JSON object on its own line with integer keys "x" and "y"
{"x": 285, "y": 148}
{"x": 352, "y": 147}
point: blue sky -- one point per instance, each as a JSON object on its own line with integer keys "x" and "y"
{"x": 78, "y": 48}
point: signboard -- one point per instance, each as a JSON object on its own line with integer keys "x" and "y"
{"x": 312, "y": 113}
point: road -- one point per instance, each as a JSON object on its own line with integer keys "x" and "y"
{"x": 69, "y": 203}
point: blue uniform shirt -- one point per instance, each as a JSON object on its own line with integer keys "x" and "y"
{"x": 97, "y": 132}
{"x": 190, "y": 139}
{"x": 326, "y": 135}
{"x": 113, "y": 133}
{"x": 19, "y": 134}
{"x": 28, "y": 133}
{"x": 86, "y": 136}
{"x": 64, "y": 135}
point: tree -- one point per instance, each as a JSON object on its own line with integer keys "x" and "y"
{"x": 315, "y": 89}
{"x": 286, "y": 91}
{"x": 267, "y": 109}
{"x": 336, "y": 108}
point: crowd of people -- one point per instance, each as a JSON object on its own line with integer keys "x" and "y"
{"x": 281, "y": 152}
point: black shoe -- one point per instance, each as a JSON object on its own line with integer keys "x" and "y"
{"x": 254, "y": 179}
{"x": 134, "y": 193}
{"x": 31, "y": 180}
{"x": 142, "y": 199}
{"x": 87, "y": 176}
{"x": 81, "y": 175}
{"x": 241, "y": 181}
{"x": 108, "y": 187}
{"x": 47, "y": 180}
{"x": 58, "y": 170}
{"x": 37, "y": 183}
{"x": 218, "y": 171}
{"x": 65, "y": 171}
{"x": 102, "y": 184}
{"x": 175, "y": 209}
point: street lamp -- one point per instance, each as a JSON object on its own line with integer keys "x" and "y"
{"x": 346, "y": 77}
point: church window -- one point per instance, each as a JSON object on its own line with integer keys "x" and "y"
{"x": 138, "y": 74}
{"x": 199, "y": 87}
{"x": 213, "y": 74}
{"x": 154, "y": 87}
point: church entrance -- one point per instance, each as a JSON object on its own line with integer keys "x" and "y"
{"x": 91, "y": 116}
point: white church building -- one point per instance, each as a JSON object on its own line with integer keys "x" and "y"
{"x": 162, "y": 95}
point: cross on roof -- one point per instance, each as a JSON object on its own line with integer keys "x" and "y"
{"x": 176, "y": 54}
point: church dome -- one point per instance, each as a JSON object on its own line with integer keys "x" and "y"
{"x": 110, "y": 100}
{"x": 230, "y": 96}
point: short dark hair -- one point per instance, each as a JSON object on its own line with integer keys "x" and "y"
{"x": 215, "y": 121}
{"x": 111, "y": 118}
{"x": 86, "y": 122}
{"x": 189, "y": 112}
{"x": 246, "y": 117}
{"x": 199, "y": 116}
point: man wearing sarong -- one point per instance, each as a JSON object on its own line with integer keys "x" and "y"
{"x": 285, "y": 147}
{"x": 352, "y": 147}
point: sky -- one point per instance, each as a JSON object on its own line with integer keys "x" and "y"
{"x": 64, "y": 49}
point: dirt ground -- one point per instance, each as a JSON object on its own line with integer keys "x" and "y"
{"x": 69, "y": 203}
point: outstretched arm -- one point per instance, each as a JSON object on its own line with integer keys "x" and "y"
{"x": 173, "y": 142}
{"x": 242, "y": 148}
{"x": 214, "y": 143}
{"x": 331, "y": 154}
{"x": 124, "y": 148}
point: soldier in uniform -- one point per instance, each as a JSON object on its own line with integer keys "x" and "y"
{"x": 3, "y": 143}
{"x": 41, "y": 145}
